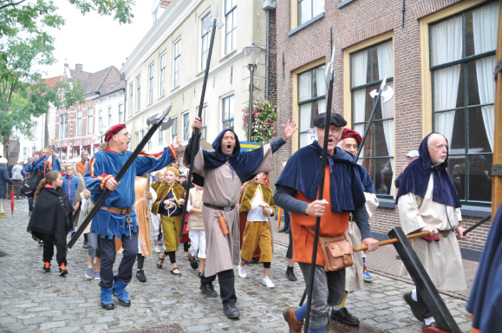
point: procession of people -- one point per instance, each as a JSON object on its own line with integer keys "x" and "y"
{"x": 227, "y": 181}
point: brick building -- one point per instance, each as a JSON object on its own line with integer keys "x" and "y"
{"x": 437, "y": 56}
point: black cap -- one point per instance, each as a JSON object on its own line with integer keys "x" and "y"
{"x": 336, "y": 119}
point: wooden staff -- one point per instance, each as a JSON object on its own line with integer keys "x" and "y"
{"x": 391, "y": 241}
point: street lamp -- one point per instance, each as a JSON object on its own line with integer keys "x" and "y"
{"x": 252, "y": 53}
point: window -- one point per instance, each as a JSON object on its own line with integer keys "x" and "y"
{"x": 150, "y": 83}
{"x": 176, "y": 63}
{"x": 138, "y": 93}
{"x": 203, "y": 133}
{"x": 155, "y": 14}
{"x": 76, "y": 152}
{"x": 162, "y": 76}
{"x": 462, "y": 51}
{"x": 230, "y": 25}
{"x": 131, "y": 94}
{"x": 311, "y": 100}
{"x": 174, "y": 129}
{"x": 79, "y": 123}
{"x": 110, "y": 123}
{"x": 186, "y": 126}
{"x": 90, "y": 121}
{"x": 227, "y": 108}
{"x": 161, "y": 137}
{"x": 63, "y": 129}
{"x": 204, "y": 38}
{"x": 136, "y": 138}
{"x": 100, "y": 122}
{"x": 308, "y": 9}
{"x": 368, "y": 68}
{"x": 121, "y": 114}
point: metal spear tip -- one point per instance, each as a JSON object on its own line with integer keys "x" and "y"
{"x": 157, "y": 118}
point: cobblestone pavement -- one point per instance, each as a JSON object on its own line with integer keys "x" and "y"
{"x": 31, "y": 301}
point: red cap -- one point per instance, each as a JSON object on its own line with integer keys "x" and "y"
{"x": 114, "y": 130}
{"x": 348, "y": 133}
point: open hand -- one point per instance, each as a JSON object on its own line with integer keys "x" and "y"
{"x": 289, "y": 129}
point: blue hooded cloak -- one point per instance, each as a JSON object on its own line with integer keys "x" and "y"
{"x": 416, "y": 176}
{"x": 303, "y": 173}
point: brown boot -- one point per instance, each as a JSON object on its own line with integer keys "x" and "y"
{"x": 294, "y": 324}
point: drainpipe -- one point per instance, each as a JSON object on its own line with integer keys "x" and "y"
{"x": 268, "y": 5}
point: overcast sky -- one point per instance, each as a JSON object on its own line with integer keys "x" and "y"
{"x": 97, "y": 41}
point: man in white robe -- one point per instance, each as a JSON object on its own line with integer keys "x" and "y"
{"x": 428, "y": 201}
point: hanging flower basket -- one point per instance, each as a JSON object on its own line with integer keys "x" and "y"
{"x": 264, "y": 120}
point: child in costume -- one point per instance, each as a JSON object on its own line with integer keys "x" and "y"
{"x": 52, "y": 219}
{"x": 257, "y": 203}
{"x": 170, "y": 198}
{"x": 196, "y": 229}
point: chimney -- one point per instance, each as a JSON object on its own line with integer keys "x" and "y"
{"x": 79, "y": 67}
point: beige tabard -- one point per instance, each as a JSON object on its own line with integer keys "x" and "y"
{"x": 222, "y": 188}
{"x": 441, "y": 259}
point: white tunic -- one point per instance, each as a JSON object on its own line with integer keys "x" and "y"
{"x": 441, "y": 259}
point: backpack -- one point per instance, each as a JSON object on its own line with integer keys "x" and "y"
{"x": 30, "y": 185}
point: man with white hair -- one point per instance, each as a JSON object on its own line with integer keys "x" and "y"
{"x": 4, "y": 179}
{"x": 428, "y": 201}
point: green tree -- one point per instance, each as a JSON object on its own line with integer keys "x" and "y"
{"x": 25, "y": 44}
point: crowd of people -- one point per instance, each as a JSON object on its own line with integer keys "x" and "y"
{"x": 143, "y": 214}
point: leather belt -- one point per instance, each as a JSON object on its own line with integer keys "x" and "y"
{"x": 121, "y": 211}
{"x": 226, "y": 209}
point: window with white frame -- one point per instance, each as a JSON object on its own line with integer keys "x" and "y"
{"x": 462, "y": 51}
{"x": 121, "y": 114}
{"x": 100, "y": 122}
{"x": 90, "y": 121}
{"x": 369, "y": 67}
{"x": 174, "y": 129}
{"x": 131, "y": 100}
{"x": 230, "y": 25}
{"x": 110, "y": 122}
{"x": 162, "y": 75}
{"x": 79, "y": 123}
{"x": 176, "y": 62}
{"x": 138, "y": 93}
{"x": 308, "y": 9}
{"x": 204, "y": 40}
{"x": 161, "y": 138}
{"x": 150, "y": 83}
{"x": 186, "y": 126}
{"x": 203, "y": 132}
{"x": 227, "y": 110}
{"x": 311, "y": 100}
{"x": 63, "y": 126}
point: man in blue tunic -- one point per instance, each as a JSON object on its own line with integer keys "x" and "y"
{"x": 116, "y": 218}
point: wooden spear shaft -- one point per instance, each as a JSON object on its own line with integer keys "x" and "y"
{"x": 391, "y": 241}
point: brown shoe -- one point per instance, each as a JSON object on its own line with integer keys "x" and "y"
{"x": 413, "y": 306}
{"x": 294, "y": 324}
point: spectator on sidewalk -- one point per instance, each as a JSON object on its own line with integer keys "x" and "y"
{"x": 27, "y": 170}
{"x": 296, "y": 190}
{"x": 4, "y": 180}
{"x": 428, "y": 201}
{"x": 17, "y": 178}
{"x": 70, "y": 182}
{"x": 410, "y": 157}
{"x": 82, "y": 165}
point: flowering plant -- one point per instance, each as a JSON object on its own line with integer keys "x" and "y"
{"x": 263, "y": 121}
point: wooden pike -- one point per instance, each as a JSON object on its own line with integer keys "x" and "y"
{"x": 391, "y": 241}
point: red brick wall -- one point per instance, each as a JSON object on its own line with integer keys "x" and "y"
{"x": 354, "y": 23}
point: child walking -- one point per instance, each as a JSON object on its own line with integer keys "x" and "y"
{"x": 196, "y": 229}
{"x": 52, "y": 219}
{"x": 258, "y": 205}
{"x": 170, "y": 198}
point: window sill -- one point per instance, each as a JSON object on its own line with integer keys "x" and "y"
{"x": 475, "y": 211}
{"x": 306, "y": 24}
{"x": 344, "y": 3}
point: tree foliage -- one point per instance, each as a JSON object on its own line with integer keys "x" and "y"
{"x": 25, "y": 44}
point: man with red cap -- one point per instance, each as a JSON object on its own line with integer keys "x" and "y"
{"x": 117, "y": 218}
{"x": 354, "y": 275}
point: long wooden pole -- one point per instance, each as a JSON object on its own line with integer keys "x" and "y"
{"x": 497, "y": 140}
{"x": 391, "y": 241}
